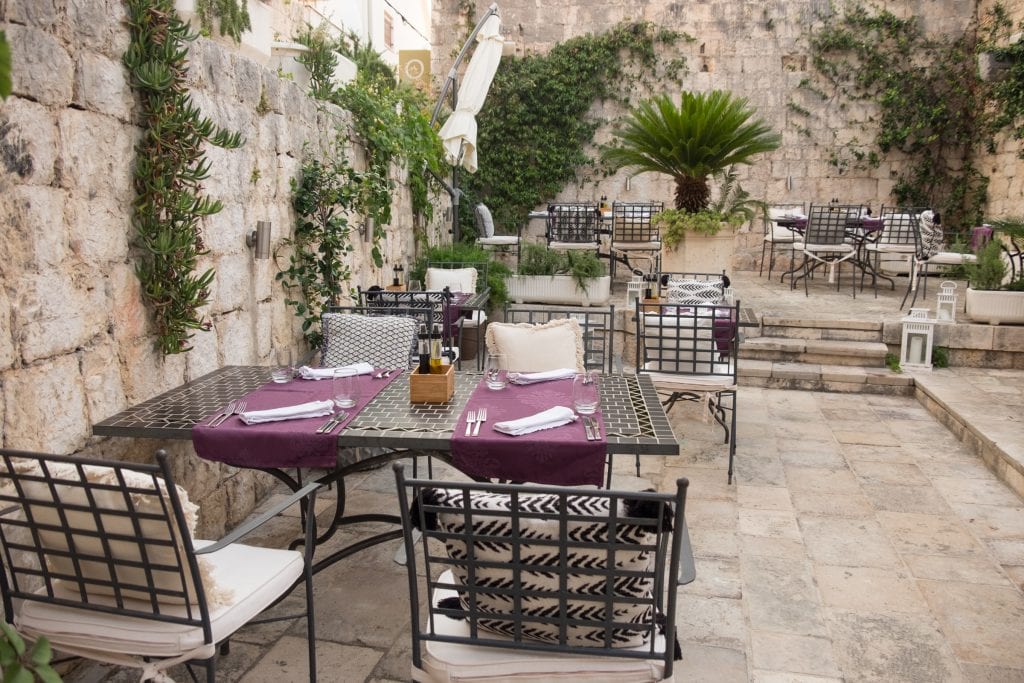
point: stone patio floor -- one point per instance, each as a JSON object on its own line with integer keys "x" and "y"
{"x": 861, "y": 541}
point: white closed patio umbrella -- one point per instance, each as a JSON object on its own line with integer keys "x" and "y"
{"x": 458, "y": 134}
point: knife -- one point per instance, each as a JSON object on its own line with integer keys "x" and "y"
{"x": 328, "y": 427}
{"x": 595, "y": 427}
{"x": 586, "y": 429}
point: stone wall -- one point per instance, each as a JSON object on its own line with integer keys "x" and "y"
{"x": 757, "y": 50}
{"x": 76, "y": 340}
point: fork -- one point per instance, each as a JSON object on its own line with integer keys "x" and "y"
{"x": 470, "y": 419}
{"x": 237, "y": 410}
{"x": 224, "y": 413}
{"x": 481, "y": 417}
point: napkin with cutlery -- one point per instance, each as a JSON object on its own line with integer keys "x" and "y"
{"x": 307, "y": 372}
{"x": 296, "y": 412}
{"x": 552, "y": 417}
{"x": 546, "y": 376}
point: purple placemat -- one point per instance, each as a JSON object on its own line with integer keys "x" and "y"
{"x": 286, "y": 443}
{"x": 560, "y": 456}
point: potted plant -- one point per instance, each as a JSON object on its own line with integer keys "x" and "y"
{"x": 468, "y": 253}
{"x": 702, "y": 138}
{"x": 992, "y": 297}
{"x": 551, "y": 277}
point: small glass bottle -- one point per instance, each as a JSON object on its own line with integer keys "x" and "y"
{"x": 424, "y": 350}
{"x": 435, "y": 351}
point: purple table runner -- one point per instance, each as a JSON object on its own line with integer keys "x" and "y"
{"x": 560, "y": 456}
{"x": 285, "y": 443}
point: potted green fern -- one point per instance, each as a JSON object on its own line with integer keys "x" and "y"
{"x": 702, "y": 138}
{"x": 552, "y": 277}
{"x": 992, "y": 296}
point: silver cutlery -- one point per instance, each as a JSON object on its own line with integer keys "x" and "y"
{"x": 226, "y": 411}
{"x": 380, "y": 374}
{"x": 481, "y": 417}
{"x": 586, "y": 428}
{"x": 330, "y": 425}
{"x": 470, "y": 419}
{"x": 238, "y": 409}
{"x": 596, "y": 427}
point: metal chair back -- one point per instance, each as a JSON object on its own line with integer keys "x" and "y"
{"x": 631, "y": 221}
{"x": 574, "y": 223}
{"x": 688, "y": 340}
{"x": 827, "y": 224}
{"x": 899, "y": 224}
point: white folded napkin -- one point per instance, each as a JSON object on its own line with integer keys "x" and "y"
{"x": 546, "y": 376}
{"x": 552, "y": 417}
{"x": 307, "y": 372}
{"x": 296, "y": 412}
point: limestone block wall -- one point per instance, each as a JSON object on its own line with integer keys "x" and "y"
{"x": 758, "y": 50}
{"x": 76, "y": 340}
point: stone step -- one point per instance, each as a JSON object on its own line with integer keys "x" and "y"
{"x": 818, "y": 377}
{"x": 831, "y": 330}
{"x": 816, "y": 351}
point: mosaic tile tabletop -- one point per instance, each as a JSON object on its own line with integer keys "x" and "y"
{"x": 634, "y": 419}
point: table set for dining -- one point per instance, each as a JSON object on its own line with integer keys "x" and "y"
{"x": 383, "y": 425}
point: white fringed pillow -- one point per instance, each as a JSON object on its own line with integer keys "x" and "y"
{"x": 455, "y": 279}
{"x": 534, "y": 348}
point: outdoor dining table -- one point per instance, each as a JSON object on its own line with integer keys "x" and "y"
{"x": 386, "y": 428}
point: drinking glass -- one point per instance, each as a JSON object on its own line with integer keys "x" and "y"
{"x": 585, "y": 395}
{"x": 495, "y": 373}
{"x": 283, "y": 370}
{"x": 345, "y": 389}
{"x": 415, "y": 286}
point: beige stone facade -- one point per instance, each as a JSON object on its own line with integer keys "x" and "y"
{"x": 76, "y": 339}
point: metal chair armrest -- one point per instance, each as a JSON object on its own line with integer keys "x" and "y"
{"x": 236, "y": 534}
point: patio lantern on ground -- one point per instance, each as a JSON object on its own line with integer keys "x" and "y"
{"x": 918, "y": 336}
{"x": 946, "y": 310}
{"x": 634, "y": 290}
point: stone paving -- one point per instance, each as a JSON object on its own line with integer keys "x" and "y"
{"x": 863, "y": 540}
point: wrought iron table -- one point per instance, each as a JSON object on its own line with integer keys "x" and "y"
{"x": 387, "y": 429}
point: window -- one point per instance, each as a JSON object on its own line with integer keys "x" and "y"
{"x": 389, "y": 32}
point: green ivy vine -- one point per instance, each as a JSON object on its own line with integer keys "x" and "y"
{"x": 5, "y": 67}
{"x": 232, "y": 17}
{"x": 1007, "y": 92}
{"x": 325, "y": 198}
{"x": 536, "y": 125}
{"x": 933, "y": 108}
{"x": 170, "y": 166}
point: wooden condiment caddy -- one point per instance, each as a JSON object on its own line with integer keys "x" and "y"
{"x": 432, "y": 388}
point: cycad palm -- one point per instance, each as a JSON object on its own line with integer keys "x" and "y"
{"x": 706, "y": 134}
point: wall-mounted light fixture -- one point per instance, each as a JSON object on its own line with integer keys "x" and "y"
{"x": 260, "y": 238}
{"x": 368, "y": 229}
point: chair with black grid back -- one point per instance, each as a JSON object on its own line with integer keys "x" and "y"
{"x": 542, "y": 583}
{"x": 896, "y": 237}
{"x": 690, "y": 352}
{"x": 384, "y": 338}
{"x": 574, "y": 226}
{"x": 634, "y": 235}
{"x": 486, "y": 236}
{"x": 679, "y": 288}
{"x": 597, "y": 325}
{"x": 98, "y": 557}
{"x": 432, "y": 308}
{"x": 825, "y": 241}
{"x": 930, "y": 249}
{"x": 467, "y": 277}
{"x": 779, "y": 236}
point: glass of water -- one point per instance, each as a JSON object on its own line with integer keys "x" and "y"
{"x": 284, "y": 369}
{"x": 345, "y": 389}
{"x": 585, "y": 395}
{"x": 495, "y": 374}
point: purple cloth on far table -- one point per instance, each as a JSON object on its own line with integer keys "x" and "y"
{"x": 560, "y": 456}
{"x": 980, "y": 236}
{"x": 285, "y": 443}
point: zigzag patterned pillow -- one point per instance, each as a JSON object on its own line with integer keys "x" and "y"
{"x": 539, "y": 560}
{"x": 694, "y": 292}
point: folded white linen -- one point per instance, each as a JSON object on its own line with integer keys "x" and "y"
{"x": 296, "y": 412}
{"x": 546, "y": 376}
{"x": 552, "y": 417}
{"x": 307, "y": 372}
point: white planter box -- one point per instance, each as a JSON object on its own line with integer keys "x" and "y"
{"x": 559, "y": 289}
{"x": 997, "y": 307}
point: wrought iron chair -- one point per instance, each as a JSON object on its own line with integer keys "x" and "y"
{"x": 597, "y": 325}
{"x": 542, "y": 582}
{"x": 895, "y": 239}
{"x": 676, "y": 287}
{"x": 574, "y": 225}
{"x": 929, "y": 249}
{"x": 478, "y": 321}
{"x": 776, "y": 235}
{"x": 98, "y": 557}
{"x": 825, "y": 242}
{"x": 690, "y": 352}
{"x": 634, "y": 235}
{"x": 486, "y": 236}
{"x": 430, "y": 307}
{"x": 384, "y": 338}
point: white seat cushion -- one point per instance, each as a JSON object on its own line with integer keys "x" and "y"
{"x": 952, "y": 258}
{"x": 499, "y": 241}
{"x": 535, "y": 348}
{"x": 573, "y": 245}
{"x": 845, "y": 248}
{"x": 455, "y": 279}
{"x": 694, "y": 383}
{"x": 780, "y": 234}
{"x": 638, "y": 246}
{"x": 468, "y": 664}
{"x": 257, "y": 575}
{"x": 891, "y": 248}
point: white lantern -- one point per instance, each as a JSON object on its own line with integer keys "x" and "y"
{"x": 634, "y": 290}
{"x": 918, "y": 336}
{"x": 946, "y": 309}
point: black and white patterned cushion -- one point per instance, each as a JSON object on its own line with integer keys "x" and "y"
{"x": 931, "y": 235}
{"x": 694, "y": 292}
{"x": 383, "y": 341}
{"x": 540, "y": 559}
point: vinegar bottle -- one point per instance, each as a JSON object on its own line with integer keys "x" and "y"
{"x": 435, "y": 351}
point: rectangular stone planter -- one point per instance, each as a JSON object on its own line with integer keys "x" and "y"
{"x": 559, "y": 289}
{"x": 701, "y": 253}
{"x": 995, "y": 307}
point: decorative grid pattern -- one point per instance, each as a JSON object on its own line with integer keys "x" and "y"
{"x": 634, "y": 419}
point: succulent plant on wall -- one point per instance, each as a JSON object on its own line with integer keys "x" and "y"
{"x": 169, "y": 168}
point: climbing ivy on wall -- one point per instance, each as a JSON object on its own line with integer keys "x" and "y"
{"x": 232, "y": 17}
{"x": 1007, "y": 92}
{"x": 170, "y": 166}
{"x": 536, "y": 123}
{"x": 933, "y": 109}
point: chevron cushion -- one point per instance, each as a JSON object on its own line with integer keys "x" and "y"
{"x": 694, "y": 292}
{"x": 538, "y": 569}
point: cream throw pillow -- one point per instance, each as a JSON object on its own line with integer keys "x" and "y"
{"x": 455, "y": 279}
{"x": 163, "y": 548}
{"x": 536, "y": 348}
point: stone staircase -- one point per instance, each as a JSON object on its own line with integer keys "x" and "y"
{"x": 819, "y": 355}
